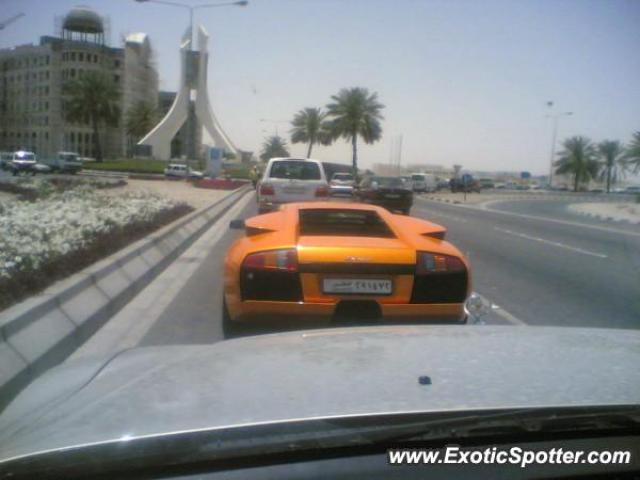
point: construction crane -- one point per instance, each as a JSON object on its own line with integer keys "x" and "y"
{"x": 10, "y": 20}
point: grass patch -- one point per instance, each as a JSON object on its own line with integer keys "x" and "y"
{"x": 26, "y": 283}
{"x": 129, "y": 165}
{"x": 236, "y": 171}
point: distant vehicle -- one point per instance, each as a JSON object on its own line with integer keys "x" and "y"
{"x": 633, "y": 189}
{"x": 465, "y": 183}
{"x": 596, "y": 190}
{"x": 423, "y": 182}
{"x": 42, "y": 168}
{"x": 387, "y": 192}
{"x": 327, "y": 261}
{"x": 287, "y": 180}
{"x": 443, "y": 184}
{"x": 486, "y": 183}
{"x": 179, "y": 170}
{"x": 500, "y": 186}
{"x": 22, "y": 161}
{"x": 341, "y": 183}
{"x": 65, "y": 162}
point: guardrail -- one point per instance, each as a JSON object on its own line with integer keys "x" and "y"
{"x": 45, "y": 329}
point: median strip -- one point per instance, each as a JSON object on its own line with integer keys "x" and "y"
{"x": 44, "y": 330}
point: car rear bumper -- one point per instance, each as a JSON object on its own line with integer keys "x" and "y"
{"x": 302, "y": 314}
{"x": 392, "y": 204}
{"x": 265, "y": 206}
{"x": 341, "y": 190}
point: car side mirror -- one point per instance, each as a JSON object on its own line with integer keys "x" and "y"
{"x": 237, "y": 224}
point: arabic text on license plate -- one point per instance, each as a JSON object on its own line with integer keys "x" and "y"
{"x": 357, "y": 285}
{"x": 294, "y": 189}
{"x": 392, "y": 195}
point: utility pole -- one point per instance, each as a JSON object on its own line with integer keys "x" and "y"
{"x": 554, "y": 135}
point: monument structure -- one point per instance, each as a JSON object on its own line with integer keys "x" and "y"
{"x": 193, "y": 86}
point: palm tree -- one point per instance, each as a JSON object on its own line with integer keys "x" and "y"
{"x": 613, "y": 163}
{"x": 632, "y": 155}
{"x": 578, "y": 159}
{"x": 355, "y": 112}
{"x": 93, "y": 100}
{"x": 140, "y": 119}
{"x": 309, "y": 127}
{"x": 274, "y": 146}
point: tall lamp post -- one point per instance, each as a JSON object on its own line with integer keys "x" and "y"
{"x": 555, "y": 117}
{"x": 192, "y": 8}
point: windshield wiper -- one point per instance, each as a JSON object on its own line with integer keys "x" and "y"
{"x": 518, "y": 421}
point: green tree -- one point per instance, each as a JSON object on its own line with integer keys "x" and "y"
{"x": 140, "y": 119}
{"x": 613, "y": 164}
{"x": 93, "y": 100}
{"x": 579, "y": 159}
{"x": 274, "y": 146}
{"x": 353, "y": 113}
{"x": 632, "y": 155}
{"x": 309, "y": 127}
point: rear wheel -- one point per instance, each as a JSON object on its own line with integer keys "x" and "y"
{"x": 230, "y": 329}
{"x": 406, "y": 211}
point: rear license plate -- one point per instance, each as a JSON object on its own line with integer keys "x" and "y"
{"x": 392, "y": 195}
{"x": 357, "y": 286}
{"x": 294, "y": 189}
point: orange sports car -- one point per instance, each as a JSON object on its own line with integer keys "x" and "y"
{"x": 325, "y": 262}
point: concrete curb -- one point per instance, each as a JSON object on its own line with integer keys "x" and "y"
{"x": 45, "y": 329}
{"x": 603, "y": 217}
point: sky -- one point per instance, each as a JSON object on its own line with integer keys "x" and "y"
{"x": 463, "y": 82}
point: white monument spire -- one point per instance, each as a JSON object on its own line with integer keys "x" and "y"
{"x": 193, "y": 78}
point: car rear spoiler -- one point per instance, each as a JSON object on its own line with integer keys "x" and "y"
{"x": 422, "y": 227}
{"x": 255, "y": 226}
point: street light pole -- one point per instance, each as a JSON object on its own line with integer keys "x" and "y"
{"x": 192, "y": 8}
{"x": 555, "y": 118}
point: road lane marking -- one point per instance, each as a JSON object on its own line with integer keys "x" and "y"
{"x": 550, "y": 242}
{"x": 535, "y": 217}
{"x": 129, "y": 326}
{"x": 498, "y": 310}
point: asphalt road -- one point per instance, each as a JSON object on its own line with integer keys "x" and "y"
{"x": 534, "y": 271}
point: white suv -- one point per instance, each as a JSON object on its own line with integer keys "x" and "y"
{"x": 287, "y": 180}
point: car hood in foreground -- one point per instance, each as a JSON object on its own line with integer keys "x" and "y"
{"x": 320, "y": 374}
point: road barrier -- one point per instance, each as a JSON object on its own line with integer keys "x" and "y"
{"x": 44, "y": 330}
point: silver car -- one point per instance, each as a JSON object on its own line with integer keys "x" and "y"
{"x": 288, "y": 180}
{"x": 332, "y": 403}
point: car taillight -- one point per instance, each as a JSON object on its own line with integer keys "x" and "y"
{"x": 439, "y": 279}
{"x": 266, "y": 189}
{"x": 271, "y": 276}
{"x": 434, "y": 263}
{"x": 272, "y": 260}
{"x": 322, "y": 191}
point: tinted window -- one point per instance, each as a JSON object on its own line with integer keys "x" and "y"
{"x": 389, "y": 182}
{"x": 417, "y": 178}
{"x": 360, "y": 223}
{"x": 295, "y": 169}
{"x": 343, "y": 176}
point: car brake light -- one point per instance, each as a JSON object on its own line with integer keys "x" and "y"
{"x": 272, "y": 260}
{"x": 266, "y": 189}
{"x": 322, "y": 191}
{"x": 434, "y": 263}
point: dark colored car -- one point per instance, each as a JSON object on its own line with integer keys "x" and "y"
{"x": 388, "y": 192}
{"x": 465, "y": 183}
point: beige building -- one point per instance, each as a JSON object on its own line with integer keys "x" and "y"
{"x": 32, "y": 79}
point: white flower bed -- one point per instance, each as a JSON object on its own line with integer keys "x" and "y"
{"x": 34, "y": 233}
